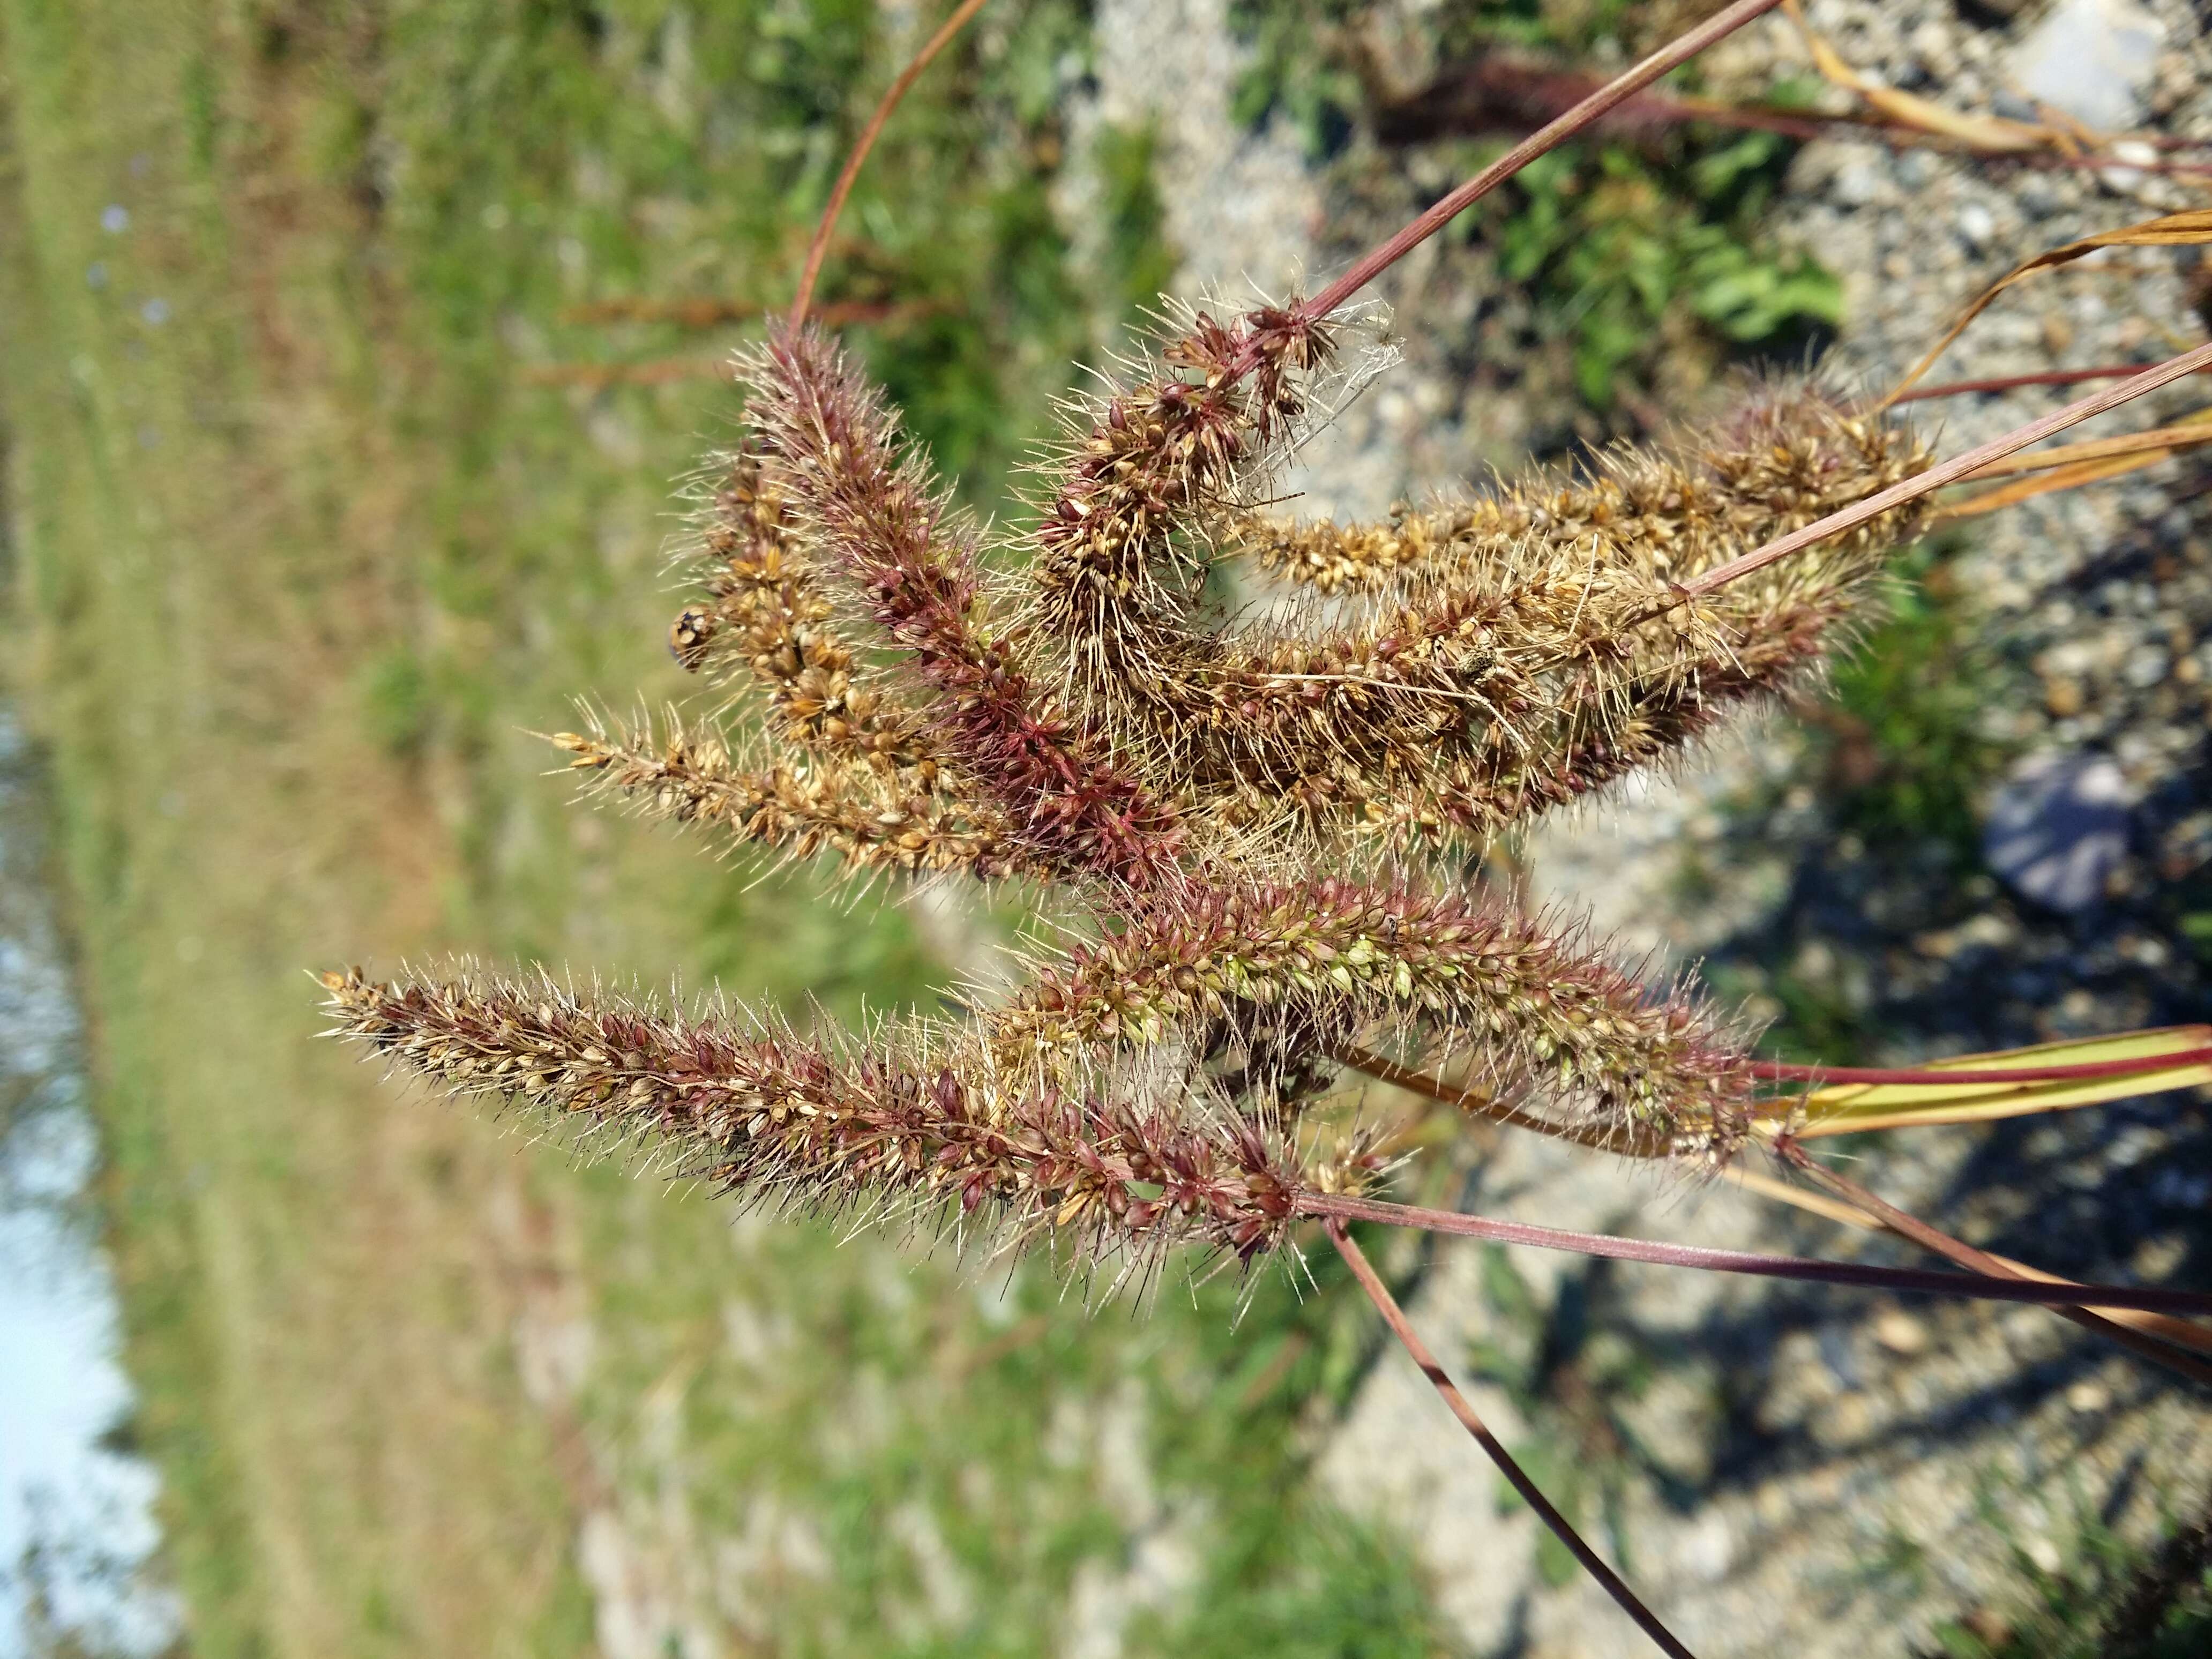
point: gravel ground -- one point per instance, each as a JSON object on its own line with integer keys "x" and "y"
{"x": 1834, "y": 1473}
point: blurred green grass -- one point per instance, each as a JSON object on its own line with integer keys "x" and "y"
{"x": 303, "y": 548}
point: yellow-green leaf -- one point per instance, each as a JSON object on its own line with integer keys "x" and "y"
{"x": 1848, "y": 1108}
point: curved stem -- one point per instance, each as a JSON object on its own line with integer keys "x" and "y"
{"x": 819, "y": 247}
{"x": 1562, "y": 1528}
{"x": 1907, "y": 1280}
{"x": 1476, "y": 1103}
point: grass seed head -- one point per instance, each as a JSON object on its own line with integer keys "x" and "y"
{"x": 1251, "y": 809}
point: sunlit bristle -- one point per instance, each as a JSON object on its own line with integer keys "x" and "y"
{"x": 689, "y": 775}
{"x": 1296, "y": 971}
{"x": 1250, "y": 810}
{"x": 899, "y": 1121}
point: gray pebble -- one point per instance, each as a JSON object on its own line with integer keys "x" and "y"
{"x": 1859, "y": 182}
{"x": 2057, "y": 829}
{"x": 2092, "y": 58}
{"x": 2147, "y": 667}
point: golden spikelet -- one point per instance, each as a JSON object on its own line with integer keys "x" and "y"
{"x": 688, "y": 776}
{"x": 766, "y": 618}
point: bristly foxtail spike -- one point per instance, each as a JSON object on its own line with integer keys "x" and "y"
{"x": 889, "y": 531}
{"x": 1548, "y": 589}
{"x": 1083, "y": 722}
{"x": 689, "y": 775}
{"x": 764, "y": 620}
{"x": 915, "y": 1114}
{"x": 1333, "y": 963}
{"x": 1145, "y": 460}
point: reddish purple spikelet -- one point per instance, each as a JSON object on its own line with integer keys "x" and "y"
{"x": 772, "y": 1117}
{"x": 881, "y": 517}
{"x": 1158, "y": 454}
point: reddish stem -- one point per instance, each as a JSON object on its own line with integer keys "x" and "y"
{"x": 1780, "y": 1071}
{"x": 1562, "y": 1528}
{"x": 1950, "y": 472}
{"x": 1907, "y": 1280}
{"x": 1910, "y": 1226}
{"x": 2012, "y": 382}
{"x": 1549, "y": 137}
{"x": 819, "y": 247}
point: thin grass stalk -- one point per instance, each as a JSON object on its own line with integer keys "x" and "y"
{"x": 1545, "y": 139}
{"x": 1828, "y": 1209}
{"x": 1946, "y": 472}
{"x": 2188, "y": 228}
{"x": 1562, "y": 1528}
{"x": 2041, "y": 484}
{"x": 819, "y": 249}
{"x": 1477, "y": 1102}
{"x": 2016, "y": 382}
{"x": 2182, "y": 435}
{"x": 1788, "y": 1072}
{"x": 1905, "y": 1280}
{"x": 1981, "y": 1262}
{"x": 2179, "y": 1332}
